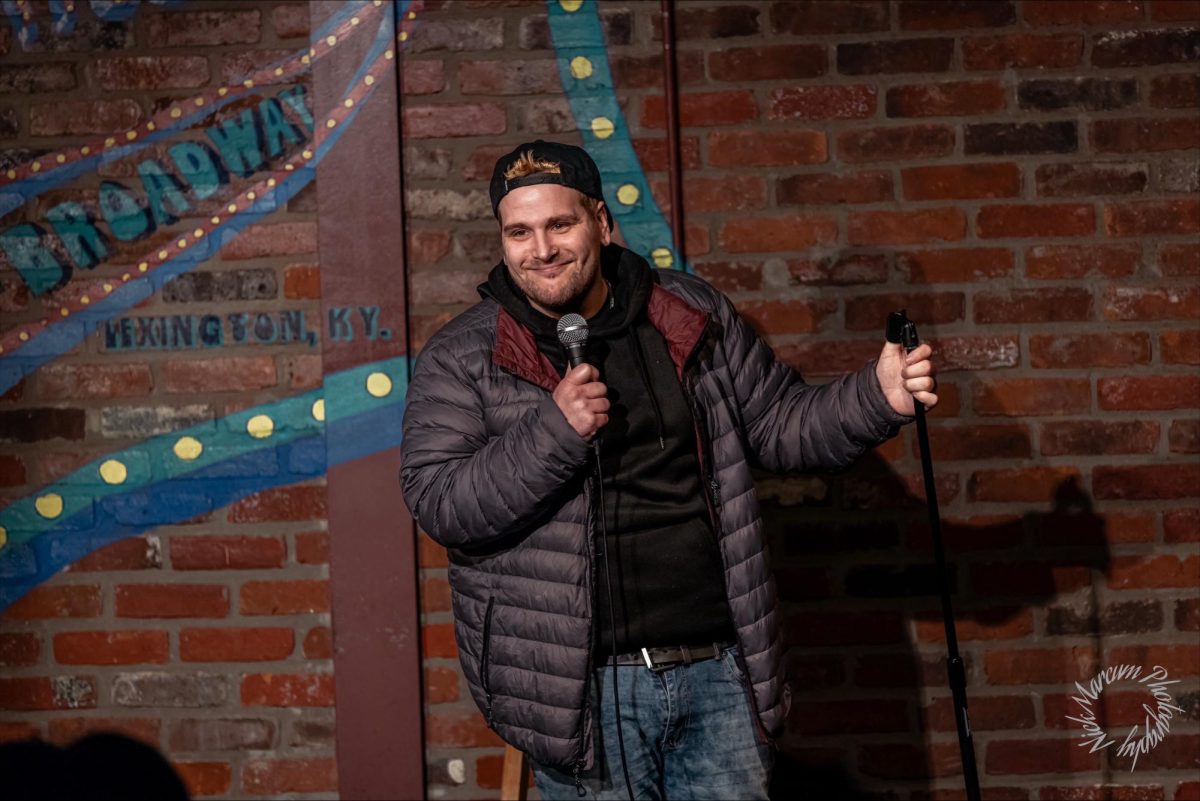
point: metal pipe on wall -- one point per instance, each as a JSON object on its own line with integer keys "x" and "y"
{"x": 674, "y": 154}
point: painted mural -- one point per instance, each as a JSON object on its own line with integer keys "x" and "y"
{"x": 241, "y": 168}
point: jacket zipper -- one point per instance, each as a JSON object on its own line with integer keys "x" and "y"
{"x": 485, "y": 669}
{"x": 585, "y": 718}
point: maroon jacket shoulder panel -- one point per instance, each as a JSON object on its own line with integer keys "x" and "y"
{"x": 680, "y": 323}
{"x": 517, "y": 352}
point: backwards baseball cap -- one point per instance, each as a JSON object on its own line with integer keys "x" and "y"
{"x": 576, "y": 170}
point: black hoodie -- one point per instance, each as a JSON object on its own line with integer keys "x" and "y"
{"x": 667, "y": 578}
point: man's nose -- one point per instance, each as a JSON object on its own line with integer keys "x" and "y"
{"x": 546, "y": 249}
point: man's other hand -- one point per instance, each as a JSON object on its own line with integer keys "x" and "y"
{"x": 905, "y": 376}
{"x": 580, "y": 396}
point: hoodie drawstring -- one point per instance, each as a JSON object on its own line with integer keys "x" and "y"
{"x": 641, "y": 360}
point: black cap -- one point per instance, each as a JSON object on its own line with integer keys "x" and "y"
{"x": 578, "y": 171}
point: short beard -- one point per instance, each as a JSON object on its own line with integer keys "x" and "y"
{"x": 569, "y": 300}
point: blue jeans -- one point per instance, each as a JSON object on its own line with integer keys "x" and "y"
{"x": 688, "y": 732}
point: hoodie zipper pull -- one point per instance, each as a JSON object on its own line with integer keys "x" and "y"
{"x": 579, "y": 791}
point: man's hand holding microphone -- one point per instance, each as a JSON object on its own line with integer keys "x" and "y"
{"x": 580, "y": 395}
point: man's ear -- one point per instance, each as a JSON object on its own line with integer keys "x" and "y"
{"x": 602, "y": 221}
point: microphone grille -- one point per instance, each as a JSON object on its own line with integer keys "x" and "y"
{"x": 572, "y": 329}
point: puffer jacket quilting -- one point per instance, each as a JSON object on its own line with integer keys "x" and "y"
{"x": 492, "y": 470}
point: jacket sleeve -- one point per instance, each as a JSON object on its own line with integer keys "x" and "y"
{"x": 464, "y": 487}
{"x": 791, "y": 425}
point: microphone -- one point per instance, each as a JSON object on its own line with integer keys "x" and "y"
{"x": 573, "y": 334}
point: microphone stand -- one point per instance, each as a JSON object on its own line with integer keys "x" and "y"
{"x": 902, "y": 330}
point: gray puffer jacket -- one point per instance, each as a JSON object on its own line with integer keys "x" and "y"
{"x": 492, "y": 470}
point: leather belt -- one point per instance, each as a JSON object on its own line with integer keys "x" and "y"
{"x": 658, "y": 659}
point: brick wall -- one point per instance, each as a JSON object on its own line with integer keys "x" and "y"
{"x": 1022, "y": 176}
{"x": 210, "y": 638}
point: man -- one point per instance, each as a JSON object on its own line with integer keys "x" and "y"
{"x": 652, "y": 550}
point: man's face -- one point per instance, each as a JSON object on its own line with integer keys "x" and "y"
{"x": 552, "y": 245}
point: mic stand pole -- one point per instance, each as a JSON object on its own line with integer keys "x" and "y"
{"x": 901, "y": 329}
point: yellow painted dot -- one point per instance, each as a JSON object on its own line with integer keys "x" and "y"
{"x": 64, "y": 311}
{"x": 271, "y": 182}
{"x": 355, "y": 20}
{"x": 628, "y": 194}
{"x": 602, "y": 127}
{"x": 188, "y": 448}
{"x": 232, "y": 207}
{"x": 278, "y": 71}
{"x": 113, "y": 472}
{"x": 379, "y": 385}
{"x": 249, "y": 84}
{"x": 305, "y": 59}
{"x": 49, "y": 505}
{"x": 143, "y": 266}
{"x": 182, "y": 243}
{"x": 23, "y": 336}
{"x": 318, "y": 409}
{"x": 581, "y": 67}
{"x": 61, "y": 159}
{"x": 289, "y": 167}
{"x": 370, "y": 79}
{"x": 150, "y": 126}
{"x": 199, "y": 101}
{"x": 331, "y": 40}
{"x": 388, "y": 55}
{"x": 378, "y": 3}
{"x": 251, "y": 195}
{"x": 11, "y": 174}
{"x": 260, "y": 426}
{"x": 307, "y": 154}
{"x": 224, "y": 90}
{"x": 162, "y": 255}
{"x": 126, "y": 277}
{"x": 330, "y": 123}
{"x": 215, "y": 220}
{"x": 109, "y": 142}
{"x": 85, "y": 150}
{"x": 348, "y": 102}
{"x": 85, "y": 300}
{"x": 176, "y": 113}
{"x": 131, "y": 135}
{"x": 108, "y": 287}
{"x": 570, "y": 6}
{"x": 312, "y": 51}
{"x": 3, "y": 536}
{"x": 199, "y": 232}
{"x": 412, "y": 15}
{"x": 36, "y": 166}
{"x": 662, "y": 257}
{"x": 403, "y": 36}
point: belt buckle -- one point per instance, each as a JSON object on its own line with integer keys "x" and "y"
{"x": 650, "y": 663}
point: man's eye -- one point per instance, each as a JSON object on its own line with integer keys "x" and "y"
{"x": 559, "y": 226}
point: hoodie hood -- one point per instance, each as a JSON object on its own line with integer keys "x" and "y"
{"x": 630, "y": 280}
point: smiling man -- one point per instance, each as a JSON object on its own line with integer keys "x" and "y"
{"x": 649, "y": 557}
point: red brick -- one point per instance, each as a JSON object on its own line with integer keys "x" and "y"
{"x": 441, "y": 685}
{"x": 731, "y": 276}
{"x": 1181, "y": 525}
{"x": 508, "y": 77}
{"x": 19, "y": 648}
{"x": 999, "y": 624}
{"x": 110, "y": 647}
{"x": 815, "y": 17}
{"x": 898, "y": 56}
{"x": 987, "y": 713}
{"x": 312, "y": 548}
{"x": 301, "y": 281}
{"x": 779, "y": 317}
{"x": 1138, "y": 136}
{"x": 1137, "y": 48}
{"x": 1146, "y": 482}
{"x": 844, "y": 270}
{"x": 823, "y": 102}
{"x": 42, "y": 693}
{"x": 235, "y": 644}
{"x": 281, "y": 504}
{"x": 906, "y": 227}
{"x": 1175, "y": 11}
{"x": 50, "y": 601}
{"x": 1022, "y": 51}
{"x": 221, "y": 734}
{"x": 65, "y": 731}
{"x": 1179, "y": 260}
{"x": 768, "y": 63}
{"x": 1179, "y": 660}
{"x": 1140, "y": 218}
{"x": 954, "y": 266}
{"x": 1126, "y": 572}
{"x": 74, "y": 118}
{"x": 834, "y": 188}
{"x": 646, "y": 72}
{"x": 274, "y": 239}
{"x": 16, "y": 731}
{"x": 1062, "y": 304}
{"x": 1139, "y": 303}
{"x": 896, "y": 143}
{"x": 454, "y": 120}
{"x": 953, "y": 443}
{"x": 318, "y": 643}
{"x": 132, "y": 553}
{"x": 1184, "y": 436}
{"x": 275, "y": 777}
{"x": 287, "y": 689}
{"x": 1087, "y": 180}
{"x": 1020, "y": 757}
{"x": 226, "y": 552}
{"x": 303, "y": 371}
{"x": 204, "y": 778}
{"x": 172, "y": 600}
{"x": 299, "y": 596}
{"x": 702, "y": 109}
{"x": 37, "y": 425}
{"x": 1065, "y": 219}
{"x": 1141, "y": 392}
{"x": 149, "y": 72}
{"x": 1180, "y": 347}
{"x": 459, "y": 730}
{"x": 430, "y": 554}
{"x": 1187, "y": 614}
{"x": 290, "y": 21}
{"x": 427, "y": 247}
{"x": 922, "y": 15}
{"x": 958, "y": 98}
{"x": 1041, "y": 666}
{"x": 1052, "y": 262}
{"x": 1040, "y": 484}
{"x": 965, "y": 181}
{"x": 653, "y": 155}
{"x": 1082, "y": 12}
{"x": 437, "y": 641}
{"x": 864, "y": 313}
{"x": 190, "y": 28}
{"x": 1180, "y": 90}
{"x": 1020, "y": 397}
{"x": 776, "y": 234}
{"x": 435, "y": 595}
{"x": 1097, "y": 437}
{"x": 243, "y": 374}
{"x": 766, "y": 148}
{"x": 12, "y": 471}
{"x": 723, "y": 194}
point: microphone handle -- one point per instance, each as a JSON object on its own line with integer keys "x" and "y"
{"x": 575, "y": 355}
